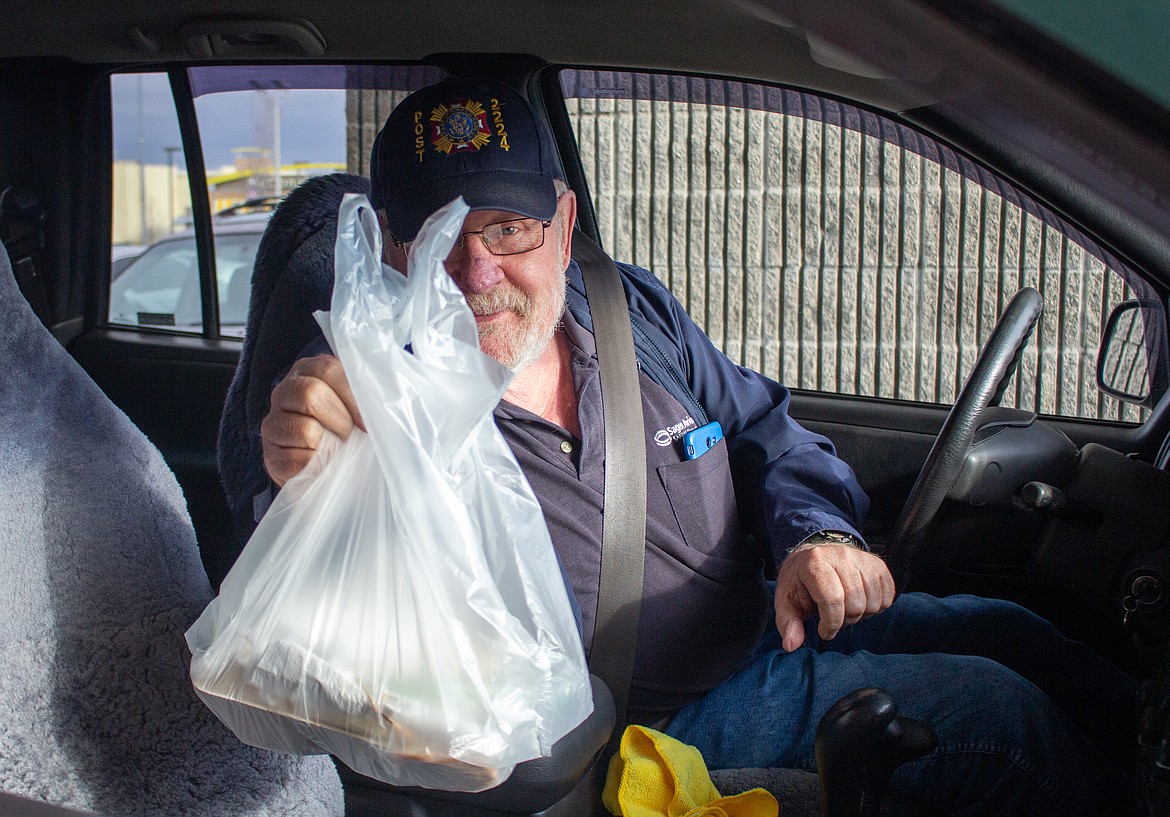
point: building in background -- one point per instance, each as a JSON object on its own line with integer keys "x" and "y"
{"x": 153, "y": 201}
{"x": 149, "y": 201}
{"x": 252, "y": 178}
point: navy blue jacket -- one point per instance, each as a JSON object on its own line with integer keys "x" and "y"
{"x": 789, "y": 481}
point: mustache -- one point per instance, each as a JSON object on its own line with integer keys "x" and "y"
{"x": 500, "y": 299}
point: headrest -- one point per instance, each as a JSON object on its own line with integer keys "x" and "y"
{"x": 293, "y": 277}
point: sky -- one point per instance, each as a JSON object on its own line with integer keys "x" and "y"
{"x": 312, "y": 123}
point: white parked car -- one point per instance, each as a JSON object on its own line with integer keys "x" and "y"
{"x": 160, "y": 287}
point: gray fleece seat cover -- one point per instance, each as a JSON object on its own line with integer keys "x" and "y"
{"x": 100, "y": 577}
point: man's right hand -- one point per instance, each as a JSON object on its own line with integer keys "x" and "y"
{"x": 314, "y": 398}
{"x": 841, "y": 583}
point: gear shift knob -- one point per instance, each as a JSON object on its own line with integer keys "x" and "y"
{"x": 860, "y": 742}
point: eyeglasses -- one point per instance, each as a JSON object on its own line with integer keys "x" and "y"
{"x": 510, "y": 237}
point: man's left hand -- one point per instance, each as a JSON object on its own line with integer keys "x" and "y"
{"x": 843, "y": 584}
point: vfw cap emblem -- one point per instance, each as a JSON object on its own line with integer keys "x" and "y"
{"x": 459, "y": 126}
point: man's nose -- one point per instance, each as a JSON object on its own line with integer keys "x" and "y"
{"x": 477, "y": 270}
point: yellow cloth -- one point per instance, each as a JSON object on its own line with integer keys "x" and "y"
{"x": 654, "y": 775}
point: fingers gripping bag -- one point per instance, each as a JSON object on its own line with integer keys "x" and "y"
{"x": 400, "y": 606}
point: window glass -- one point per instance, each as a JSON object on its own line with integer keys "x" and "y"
{"x": 262, "y": 143}
{"x": 836, "y": 250}
{"x": 258, "y": 144}
{"x": 151, "y": 197}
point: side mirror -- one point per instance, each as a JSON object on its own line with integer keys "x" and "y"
{"x": 1132, "y": 362}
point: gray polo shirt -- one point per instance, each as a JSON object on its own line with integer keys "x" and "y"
{"x": 705, "y": 603}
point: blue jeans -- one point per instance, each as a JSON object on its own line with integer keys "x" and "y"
{"x": 1028, "y": 722}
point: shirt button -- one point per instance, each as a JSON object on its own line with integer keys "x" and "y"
{"x": 567, "y": 447}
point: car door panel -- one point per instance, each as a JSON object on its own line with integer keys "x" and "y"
{"x": 886, "y": 443}
{"x": 173, "y": 389}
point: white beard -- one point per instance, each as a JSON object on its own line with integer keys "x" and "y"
{"x": 521, "y": 345}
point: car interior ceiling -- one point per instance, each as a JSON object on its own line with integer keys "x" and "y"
{"x": 54, "y": 127}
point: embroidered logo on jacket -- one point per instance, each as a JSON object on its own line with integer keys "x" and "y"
{"x": 665, "y": 436}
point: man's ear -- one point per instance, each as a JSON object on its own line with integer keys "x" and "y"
{"x": 567, "y": 209}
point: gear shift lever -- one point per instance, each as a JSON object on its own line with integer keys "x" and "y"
{"x": 860, "y": 742}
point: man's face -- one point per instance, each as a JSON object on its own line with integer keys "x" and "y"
{"x": 517, "y": 299}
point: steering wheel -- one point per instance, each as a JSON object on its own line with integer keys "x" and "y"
{"x": 984, "y": 387}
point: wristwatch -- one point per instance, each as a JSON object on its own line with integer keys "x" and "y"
{"x": 828, "y": 537}
{"x": 833, "y": 537}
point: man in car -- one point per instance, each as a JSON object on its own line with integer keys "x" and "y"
{"x": 1028, "y": 722}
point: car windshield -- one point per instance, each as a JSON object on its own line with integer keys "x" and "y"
{"x": 161, "y": 287}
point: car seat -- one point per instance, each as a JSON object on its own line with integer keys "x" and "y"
{"x": 100, "y": 576}
{"x": 293, "y": 277}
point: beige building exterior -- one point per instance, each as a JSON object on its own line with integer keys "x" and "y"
{"x": 153, "y": 201}
{"x": 149, "y": 200}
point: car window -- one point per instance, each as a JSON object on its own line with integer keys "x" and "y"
{"x": 147, "y": 292}
{"x": 837, "y": 250}
{"x": 151, "y": 196}
{"x": 262, "y": 131}
{"x": 258, "y": 143}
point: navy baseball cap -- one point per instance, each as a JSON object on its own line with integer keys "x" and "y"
{"x": 474, "y": 138}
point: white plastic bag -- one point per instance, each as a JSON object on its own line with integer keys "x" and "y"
{"x": 400, "y": 606}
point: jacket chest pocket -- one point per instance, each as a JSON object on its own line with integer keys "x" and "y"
{"x": 702, "y": 497}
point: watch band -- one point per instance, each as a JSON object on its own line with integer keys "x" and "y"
{"x": 828, "y": 537}
{"x": 833, "y": 537}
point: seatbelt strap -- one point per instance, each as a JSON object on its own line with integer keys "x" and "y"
{"x": 623, "y": 528}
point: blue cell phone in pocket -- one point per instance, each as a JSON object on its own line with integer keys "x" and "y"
{"x": 698, "y": 442}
